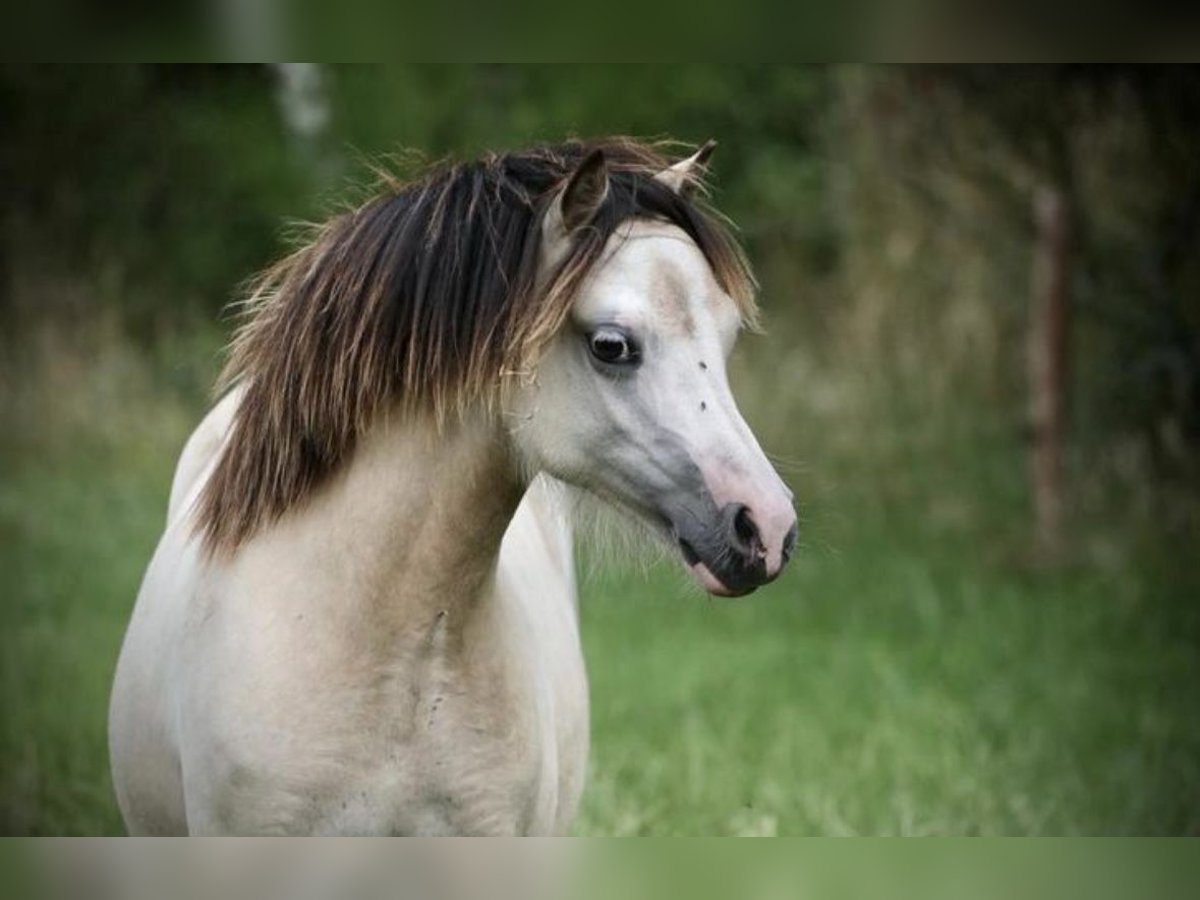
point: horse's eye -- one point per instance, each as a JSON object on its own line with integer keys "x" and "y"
{"x": 613, "y": 346}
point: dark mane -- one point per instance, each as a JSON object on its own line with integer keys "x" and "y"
{"x": 422, "y": 298}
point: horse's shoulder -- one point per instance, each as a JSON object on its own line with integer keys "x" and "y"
{"x": 542, "y": 523}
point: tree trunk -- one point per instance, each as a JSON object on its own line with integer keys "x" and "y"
{"x": 1048, "y": 331}
{"x": 306, "y": 109}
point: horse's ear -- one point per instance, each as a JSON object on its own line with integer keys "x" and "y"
{"x": 581, "y": 197}
{"x": 684, "y": 176}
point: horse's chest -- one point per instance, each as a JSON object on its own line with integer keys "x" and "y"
{"x": 494, "y": 750}
{"x": 500, "y": 744}
{"x": 470, "y": 769}
{"x": 464, "y": 735}
{"x": 469, "y": 718}
{"x": 461, "y": 753}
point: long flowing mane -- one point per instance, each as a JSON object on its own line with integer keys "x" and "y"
{"x": 424, "y": 298}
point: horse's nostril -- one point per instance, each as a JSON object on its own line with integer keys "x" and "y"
{"x": 746, "y": 534}
{"x": 789, "y": 544}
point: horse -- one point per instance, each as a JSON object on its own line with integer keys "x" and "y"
{"x": 361, "y": 615}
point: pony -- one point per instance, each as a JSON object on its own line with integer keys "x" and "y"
{"x": 361, "y": 615}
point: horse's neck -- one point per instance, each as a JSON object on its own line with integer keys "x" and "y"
{"x": 411, "y": 525}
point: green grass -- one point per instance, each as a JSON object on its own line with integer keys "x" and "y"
{"x": 74, "y": 537}
{"x": 900, "y": 679}
{"x": 884, "y": 695}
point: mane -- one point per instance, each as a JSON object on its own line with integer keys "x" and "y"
{"x": 426, "y": 298}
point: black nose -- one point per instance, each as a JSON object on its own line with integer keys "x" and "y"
{"x": 789, "y": 543}
{"x": 742, "y": 533}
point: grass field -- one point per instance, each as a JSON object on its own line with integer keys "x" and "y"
{"x": 905, "y": 677}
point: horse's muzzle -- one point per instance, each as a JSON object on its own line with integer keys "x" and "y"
{"x": 729, "y": 556}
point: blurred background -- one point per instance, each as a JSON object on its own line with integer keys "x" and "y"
{"x": 981, "y": 375}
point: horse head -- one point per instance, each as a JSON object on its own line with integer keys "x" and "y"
{"x": 630, "y": 399}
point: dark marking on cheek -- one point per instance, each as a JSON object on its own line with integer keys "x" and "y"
{"x": 703, "y": 406}
{"x": 703, "y": 365}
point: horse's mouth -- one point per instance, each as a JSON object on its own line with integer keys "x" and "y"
{"x": 704, "y": 576}
{"x": 690, "y": 556}
{"x": 700, "y": 570}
